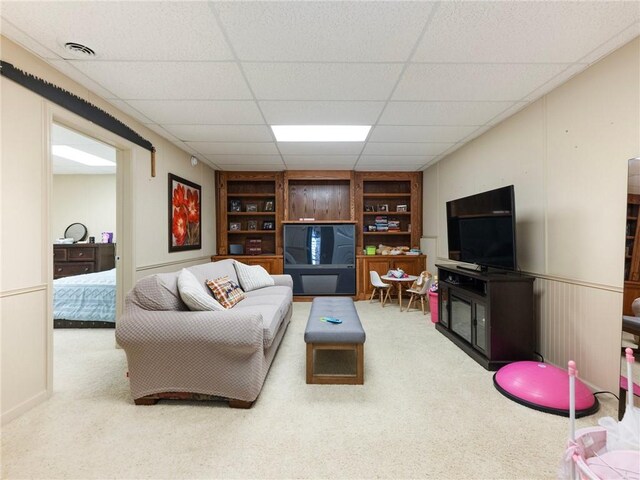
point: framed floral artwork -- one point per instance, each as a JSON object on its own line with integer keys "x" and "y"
{"x": 184, "y": 215}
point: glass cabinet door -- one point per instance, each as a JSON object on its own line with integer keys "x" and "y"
{"x": 443, "y": 307}
{"x": 461, "y": 317}
{"x": 481, "y": 326}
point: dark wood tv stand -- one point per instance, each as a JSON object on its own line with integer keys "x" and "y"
{"x": 488, "y": 315}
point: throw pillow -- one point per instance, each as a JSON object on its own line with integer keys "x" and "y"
{"x": 193, "y": 294}
{"x": 252, "y": 277}
{"x": 226, "y": 291}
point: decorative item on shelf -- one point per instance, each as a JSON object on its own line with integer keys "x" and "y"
{"x": 236, "y": 249}
{"x": 235, "y": 226}
{"x": 409, "y": 228}
{"x": 268, "y": 225}
{"x": 184, "y": 214}
{"x": 251, "y": 207}
{"x": 371, "y": 228}
{"x": 369, "y": 208}
{"x": 382, "y": 224}
{"x": 235, "y": 206}
{"x": 401, "y": 208}
{"x": 394, "y": 225}
{"x": 77, "y": 231}
{"x": 268, "y": 206}
{"x": 252, "y": 225}
{"x": 371, "y": 249}
{"x": 383, "y": 208}
{"x": 253, "y": 246}
{"x": 107, "y": 237}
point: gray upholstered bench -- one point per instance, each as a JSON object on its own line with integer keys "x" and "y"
{"x": 348, "y": 335}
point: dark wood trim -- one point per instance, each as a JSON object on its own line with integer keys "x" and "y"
{"x": 190, "y": 396}
{"x": 335, "y": 379}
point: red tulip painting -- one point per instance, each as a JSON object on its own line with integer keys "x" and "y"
{"x": 184, "y": 214}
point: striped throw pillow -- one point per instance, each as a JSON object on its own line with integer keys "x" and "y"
{"x": 252, "y": 277}
{"x": 225, "y": 291}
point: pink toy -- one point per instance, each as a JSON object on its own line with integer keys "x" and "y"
{"x": 544, "y": 387}
{"x": 591, "y": 454}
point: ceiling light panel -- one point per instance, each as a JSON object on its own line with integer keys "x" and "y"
{"x": 169, "y": 80}
{"x": 324, "y": 31}
{"x": 326, "y": 81}
{"x": 289, "y": 112}
{"x": 154, "y": 30}
{"x": 320, "y": 133}
{"x": 522, "y": 32}
{"x": 473, "y": 82}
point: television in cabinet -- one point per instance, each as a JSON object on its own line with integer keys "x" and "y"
{"x": 488, "y": 315}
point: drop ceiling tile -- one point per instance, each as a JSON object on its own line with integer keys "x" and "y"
{"x": 195, "y": 112}
{"x": 162, "y": 132}
{"x": 405, "y": 148}
{"x": 489, "y": 81}
{"x": 325, "y": 166}
{"x": 221, "y": 133}
{"x": 614, "y": 43}
{"x": 320, "y": 148}
{"x": 322, "y": 81}
{"x": 387, "y": 168}
{"x": 323, "y": 31}
{"x": 132, "y": 112}
{"x": 276, "y": 167}
{"x": 158, "y": 30}
{"x": 18, "y": 36}
{"x": 321, "y": 113}
{"x": 419, "y": 133}
{"x": 84, "y": 80}
{"x": 246, "y": 159}
{"x": 168, "y": 80}
{"x": 319, "y": 162}
{"x": 234, "y": 148}
{"x": 441, "y": 113}
{"x": 555, "y": 82}
{"x": 394, "y": 159}
{"x": 546, "y": 32}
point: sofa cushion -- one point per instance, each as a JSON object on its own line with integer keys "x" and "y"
{"x": 155, "y": 293}
{"x": 225, "y": 291}
{"x": 273, "y": 310}
{"x": 213, "y": 270}
{"x": 252, "y": 277}
{"x": 193, "y": 293}
{"x": 267, "y": 291}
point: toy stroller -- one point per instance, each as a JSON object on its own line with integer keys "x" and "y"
{"x": 610, "y": 451}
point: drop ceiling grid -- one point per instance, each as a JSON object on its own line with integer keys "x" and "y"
{"x": 398, "y": 66}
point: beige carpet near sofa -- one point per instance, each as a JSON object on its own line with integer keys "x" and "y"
{"x": 426, "y": 410}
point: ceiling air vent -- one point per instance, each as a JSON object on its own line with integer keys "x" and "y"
{"x": 79, "y": 50}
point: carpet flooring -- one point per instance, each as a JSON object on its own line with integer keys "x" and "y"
{"x": 426, "y": 410}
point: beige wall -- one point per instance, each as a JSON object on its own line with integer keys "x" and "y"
{"x": 567, "y": 156}
{"x": 87, "y": 199}
{"x": 27, "y": 221}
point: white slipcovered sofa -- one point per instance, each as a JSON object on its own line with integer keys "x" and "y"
{"x": 176, "y": 353}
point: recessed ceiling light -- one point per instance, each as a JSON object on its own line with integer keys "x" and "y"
{"x": 321, "y": 133}
{"x": 79, "y": 156}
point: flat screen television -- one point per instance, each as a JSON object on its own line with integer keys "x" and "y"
{"x": 481, "y": 229}
{"x": 308, "y": 245}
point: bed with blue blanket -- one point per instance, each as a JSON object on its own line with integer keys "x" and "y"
{"x": 83, "y": 301}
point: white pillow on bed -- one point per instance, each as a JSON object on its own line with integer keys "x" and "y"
{"x": 252, "y": 277}
{"x": 194, "y": 295}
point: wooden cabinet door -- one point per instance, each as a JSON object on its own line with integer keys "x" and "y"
{"x": 271, "y": 265}
{"x": 411, "y": 266}
{"x": 382, "y": 266}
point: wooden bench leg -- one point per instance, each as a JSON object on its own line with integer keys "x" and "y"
{"x": 336, "y": 379}
{"x": 360, "y": 364}
{"x": 309, "y": 362}
{"x": 233, "y": 403}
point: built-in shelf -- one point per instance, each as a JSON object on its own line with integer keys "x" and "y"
{"x": 319, "y": 221}
{"x": 244, "y": 232}
{"x": 390, "y": 214}
{"x": 386, "y": 195}
{"x": 250, "y": 214}
{"x": 387, "y": 233}
{"x": 251, "y": 195}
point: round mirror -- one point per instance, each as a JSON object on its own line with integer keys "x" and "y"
{"x": 77, "y": 231}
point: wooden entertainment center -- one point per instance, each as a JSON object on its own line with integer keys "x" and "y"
{"x": 252, "y": 208}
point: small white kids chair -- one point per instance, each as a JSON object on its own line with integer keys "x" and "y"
{"x": 420, "y": 288}
{"x": 380, "y": 286}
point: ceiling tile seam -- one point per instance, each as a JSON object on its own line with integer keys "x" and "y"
{"x": 405, "y": 66}
{"x": 202, "y": 156}
{"x": 450, "y": 125}
{"x": 238, "y": 63}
